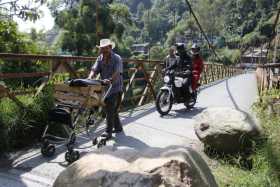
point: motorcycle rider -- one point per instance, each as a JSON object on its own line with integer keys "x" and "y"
{"x": 197, "y": 65}
{"x": 185, "y": 59}
{"x": 183, "y": 63}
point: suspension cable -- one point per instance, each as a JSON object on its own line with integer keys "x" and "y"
{"x": 202, "y": 31}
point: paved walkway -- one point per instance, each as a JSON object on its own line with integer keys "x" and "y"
{"x": 143, "y": 128}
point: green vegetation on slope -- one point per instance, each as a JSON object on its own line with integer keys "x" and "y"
{"x": 265, "y": 169}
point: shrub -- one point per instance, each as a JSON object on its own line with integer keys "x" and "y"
{"x": 265, "y": 158}
{"x": 228, "y": 56}
{"x": 22, "y": 127}
{"x": 158, "y": 53}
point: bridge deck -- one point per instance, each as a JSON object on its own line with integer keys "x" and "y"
{"x": 143, "y": 128}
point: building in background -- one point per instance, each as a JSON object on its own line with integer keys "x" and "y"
{"x": 138, "y": 49}
{"x": 252, "y": 57}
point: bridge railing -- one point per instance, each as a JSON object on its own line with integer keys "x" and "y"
{"x": 139, "y": 75}
{"x": 268, "y": 76}
{"x": 142, "y": 78}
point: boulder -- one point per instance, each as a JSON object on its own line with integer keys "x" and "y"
{"x": 149, "y": 168}
{"x": 225, "y": 129}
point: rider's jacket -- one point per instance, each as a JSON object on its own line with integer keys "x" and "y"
{"x": 197, "y": 65}
{"x": 183, "y": 62}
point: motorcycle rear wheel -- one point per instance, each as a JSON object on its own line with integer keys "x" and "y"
{"x": 192, "y": 101}
{"x": 164, "y": 102}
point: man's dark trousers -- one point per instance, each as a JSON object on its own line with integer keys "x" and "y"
{"x": 112, "y": 115}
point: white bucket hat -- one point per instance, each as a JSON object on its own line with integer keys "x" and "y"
{"x": 106, "y": 42}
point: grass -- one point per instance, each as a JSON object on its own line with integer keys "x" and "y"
{"x": 265, "y": 171}
{"x": 21, "y": 127}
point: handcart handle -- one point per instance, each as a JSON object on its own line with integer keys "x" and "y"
{"x": 87, "y": 82}
{"x": 108, "y": 90}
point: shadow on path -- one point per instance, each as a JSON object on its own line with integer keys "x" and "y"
{"x": 255, "y": 127}
{"x": 28, "y": 159}
{"x": 184, "y": 113}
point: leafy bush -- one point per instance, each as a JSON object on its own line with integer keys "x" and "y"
{"x": 228, "y": 56}
{"x": 22, "y": 127}
{"x": 158, "y": 53}
{"x": 266, "y": 29}
{"x": 252, "y": 39}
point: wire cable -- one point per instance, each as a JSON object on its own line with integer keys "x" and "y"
{"x": 202, "y": 31}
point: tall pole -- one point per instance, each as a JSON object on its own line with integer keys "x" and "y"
{"x": 97, "y": 20}
{"x": 274, "y": 33}
{"x": 149, "y": 47}
{"x": 276, "y": 45}
{"x": 174, "y": 18}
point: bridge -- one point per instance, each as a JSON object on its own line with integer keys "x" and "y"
{"x": 143, "y": 126}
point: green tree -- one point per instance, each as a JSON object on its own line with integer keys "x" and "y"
{"x": 140, "y": 10}
{"x": 121, "y": 17}
{"x": 157, "y": 53}
{"x": 25, "y": 11}
{"x": 79, "y": 25}
{"x": 11, "y": 41}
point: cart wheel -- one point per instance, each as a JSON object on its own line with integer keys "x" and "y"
{"x": 90, "y": 122}
{"x": 101, "y": 143}
{"x": 75, "y": 155}
{"x": 48, "y": 150}
{"x": 94, "y": 141}
{"x": 72, "y": 156}
{"x": 68, "y": 157}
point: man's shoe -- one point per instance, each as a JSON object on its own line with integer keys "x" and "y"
{"x": 106, "y": 135}
{"x": 117, "y": 130}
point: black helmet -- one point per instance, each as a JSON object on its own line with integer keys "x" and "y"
{"x": 180, "y": 46}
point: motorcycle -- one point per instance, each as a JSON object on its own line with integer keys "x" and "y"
{"x": 176, "y": 89}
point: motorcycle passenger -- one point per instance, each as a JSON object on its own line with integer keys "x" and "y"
{"x": 197, "y": 65}
{"x": 171, "y": 59}
{"x": 183, "y": 60}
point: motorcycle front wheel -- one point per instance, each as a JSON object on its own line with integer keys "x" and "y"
{"x": 164, "y": 102}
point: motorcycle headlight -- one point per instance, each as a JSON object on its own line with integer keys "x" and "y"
{"x": 166, "y": 79}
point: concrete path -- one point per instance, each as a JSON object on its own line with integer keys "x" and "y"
{"x": 143, "y": 128}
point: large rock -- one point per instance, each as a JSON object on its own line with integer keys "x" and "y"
{"x": 226, "y": 130}
{"x": 150, "y": 168}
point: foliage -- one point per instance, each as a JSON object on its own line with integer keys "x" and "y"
{"x": 22, "y": 127}
{"x": 11, "y": 41}
{"x": 81, "y": 29}
{"x": 265, "y": 159}
{"x": 239, "y": 23}
{"x": 139, "y": 57}
{"x": 162, "y": 17}
{"x": 157, "y": 53}
{"x": 230, "y": 56}
{"x": 26, "y": 11}
{"x": 180, "y": 29}
{"x": 123, "y": 50}
{"x": 134, "y": 4}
